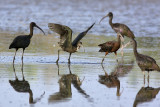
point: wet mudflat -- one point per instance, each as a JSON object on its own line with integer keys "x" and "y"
{"x": 84, "y": 82}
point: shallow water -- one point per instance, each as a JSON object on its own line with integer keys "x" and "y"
{"x": 50, "y": 89}
{"x": 46, "y": 84}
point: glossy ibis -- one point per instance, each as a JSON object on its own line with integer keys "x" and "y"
{"x": 118, "y": 27}
{"x": 23, "y": 41}
{"x": 66, "y": 38}
{"x": 110, "y": 46}
{"x": 146, "y": 63}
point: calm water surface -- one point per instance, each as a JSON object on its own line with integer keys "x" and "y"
{"x": 85, "y": 82}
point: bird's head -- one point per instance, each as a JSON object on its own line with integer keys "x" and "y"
{"x": 33, "y": 24}
{"x": 110, "y": 15}
{"x": 79, "y": 44}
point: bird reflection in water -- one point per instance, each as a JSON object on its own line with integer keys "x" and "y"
{"x": 65, "y": 90}
{"x": 23, "y": 86}
{"x": 112, "y": 80}
{"x": 145, "y": 94}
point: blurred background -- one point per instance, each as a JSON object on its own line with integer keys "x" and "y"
{"x": 142, "y": 16}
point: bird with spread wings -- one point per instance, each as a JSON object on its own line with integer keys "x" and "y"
{"x": 66, "y": 38}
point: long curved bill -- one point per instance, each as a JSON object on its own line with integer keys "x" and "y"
{"x": 40, "y": 29}
{"x": 103, "y": 18}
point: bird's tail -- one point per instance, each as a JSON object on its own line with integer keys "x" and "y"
{"x": 157, "y": 67}
{"x": 10, "y": 46}
{"x": 100, "y": 50}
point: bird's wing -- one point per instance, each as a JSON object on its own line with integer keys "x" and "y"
{"x": 148, "y": 58}
{"x": 64, "y": 31}
{"x": 81, "y": 35}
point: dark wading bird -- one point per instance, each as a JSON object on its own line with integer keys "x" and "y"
{"x": 110, "y": 46}
{"x": 145, "y": 94}
{"x": 146, "y": 63}
{"x": 66, "y": 38}
{"x": 118, "y": 27}
{"x": 23, "y": 41}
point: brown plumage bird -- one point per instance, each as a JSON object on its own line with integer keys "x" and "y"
{"x": 66, "y": 38}
{"x": 118, "y": 27}
{"x": 110, "y": 46}
{"x": 145, "y": 63}
{"x": 23, "y": 41}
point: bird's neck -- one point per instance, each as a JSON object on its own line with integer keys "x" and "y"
{"x": 31, "y": 30}
{"x": 135, "y": 47}
{"x": 110, "y": 21}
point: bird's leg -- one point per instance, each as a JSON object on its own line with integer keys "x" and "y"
{"x": 104, "y": 69}
{"x": 58, "y": 57}
{"x": 148, "y": 78}
{"x": 58, "y": 68}
{"x": 122, "y": 41}
{"x": 104, "y": 57}
{"x": 22, "y": 71}
{"x": 14, "y": 72}
{"x": 69, "y": 69}
{"x": 144, "y": 77}
{"x": 69, "y": 58}
{"x": 22, "y": 55}
{"x": 116, "y": 56}
{"x": 14, "y": 55}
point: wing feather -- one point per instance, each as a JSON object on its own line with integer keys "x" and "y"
{"x": 81, "y": 35}
{"x": 64, "y": 31}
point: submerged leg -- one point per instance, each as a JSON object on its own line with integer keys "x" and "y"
{"x": 58, "y": 57}
{"x": 69, "y": 58}
{"x": 14, "y": 55}
{"x": 104, "y": 57}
